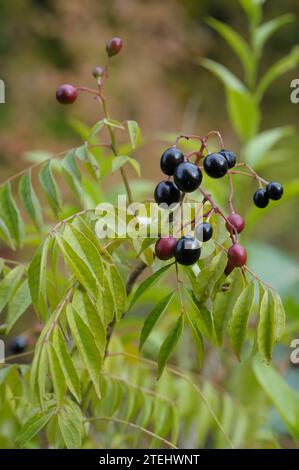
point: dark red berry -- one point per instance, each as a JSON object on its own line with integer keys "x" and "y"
{"x": 187, "y": 177}
{"x": 167, "y": 192}
{"x": 215, "y": 165}
{"x": 98, "y": 72}
{"x": 114, "y": 46}
{"x": 229, "y": 156}
{"x": 261, "y": 198}
{"x": 18, "y": 344}
{"x": 165, "y": 248}
{"x": 66, "y": 94}
{"x": 187, "y": 251}
{"x": 237, "y": 256}
{"x": 274, "y": 191}
{"x": 237, "y": 221}
{"x": 204, "y": 232}
{"x": 170, "y": 159}
{"x": 229, "y": 268}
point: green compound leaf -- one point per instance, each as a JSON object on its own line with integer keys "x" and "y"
{"x": 30, "y": 200}
{"x": 10, "y": 215}
{"x": 57, "y": 375}
{"x": 50, "y": 187}
{"x": 67, "y": 366}
{"x": 9, "y": 284}
{"x": 169, "y": 344}
{"x": 266, "y": 326}
{"x": 18, "y": 304}
{"x": 134, "y": 133}
{"x": 153, "y": 317}
{"x": 33, "y": 425}
{"x": 149, "y": 282}
{"x": 224, "y": 303}
{"x": 37, "y": 279}
{"x": 85, "y": 342}
{"x": 240, "y": 316}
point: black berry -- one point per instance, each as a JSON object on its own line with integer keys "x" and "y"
{"x": 215, "y": 165}
{"x": 114, "y": 46}
{"x": 165, "y": 248}
{"x": 230, "y": 157}
{"x": 170, "y": 159}
{"x": 204, "y": 232}
{"x": 187, "y": 177}
{"x": 18, "y": 344}
{"x": 274, "y": 191}
{"x": 261, "y": 198}
{"x": 187, "y": 251}
{"x": 66, "y": 94}
{"x": 167, "y": 192}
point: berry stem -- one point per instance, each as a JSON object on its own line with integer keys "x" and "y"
{"x": 231, "y": 193}
{"x": 113, "y": 143}
{"x": 179, "y": 288}
{"x": 87, "y": 90}
{"x": 218, "y": 134}
{"x": 258, "y": 278}
{"x": 253, "y": 173}
{"x": 217, "y": 210}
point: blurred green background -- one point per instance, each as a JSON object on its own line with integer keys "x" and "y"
{"x": 157, "y": 81}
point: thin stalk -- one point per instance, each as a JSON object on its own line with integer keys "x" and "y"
{"x": 135, "y": 426}
{"x": 114, "y": 147}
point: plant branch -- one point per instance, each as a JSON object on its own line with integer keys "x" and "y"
{"x": 135, "y": 426}
{"x": 113, "y": 144}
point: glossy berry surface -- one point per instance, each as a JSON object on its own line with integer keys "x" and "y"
{"x": 230, "y": 157}
{"x": 237, "y": 221}
{"x": 204, "y": 232}
{"x": 237, "y": 256}
{"x": 274, "y": 191}
{"x": 215, "y": 165}
{"x": 170, "y": 159}
{"x": 261, "y": 198}
{"x": 18, "y": 344}
{"x": 187, "y": 251}
{"x": 114, "y": 46}
{"x": 167, "y": 192}
{"x": 66, "y": 94}
{"x": 187, "y": 177}
{"x": 165, "y": 248}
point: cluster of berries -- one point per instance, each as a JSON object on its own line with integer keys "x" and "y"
{"x": 187, "y": 178}
{"x": 273, "y": 191}
{"x": 67, "y": 94}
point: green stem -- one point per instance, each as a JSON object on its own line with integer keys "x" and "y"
{"x": 114, "y": 149}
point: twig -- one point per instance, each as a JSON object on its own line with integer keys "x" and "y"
{"x": 231, "y": 194}
{"x": 258, "y": 278}
{"x": 218, "y": 134}
{"x": 147, "y": 391}
{"x": 135, "y": 426}
{"x": 113, "y": 140}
